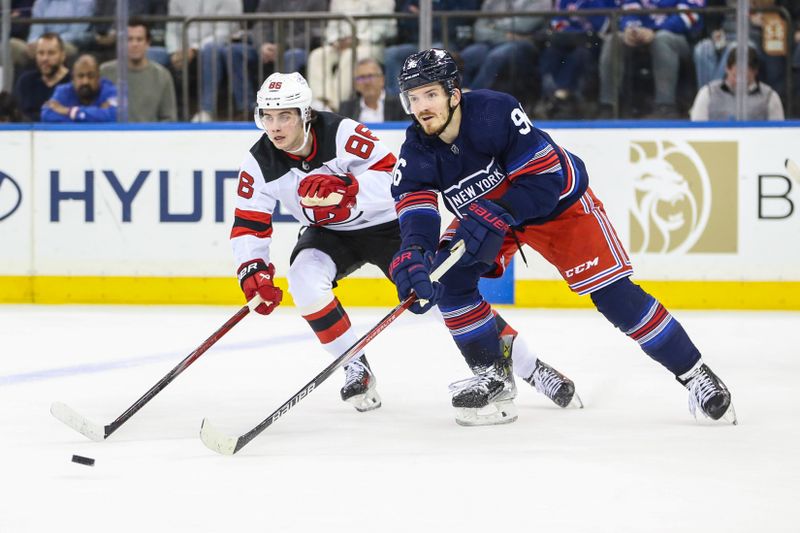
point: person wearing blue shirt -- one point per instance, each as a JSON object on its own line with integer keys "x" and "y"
{"x": 665, "y": 36}
{"x": 89, "y": 98}
{"x": 571, "y": 57}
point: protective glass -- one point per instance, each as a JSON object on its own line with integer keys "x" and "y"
{"x": 281, "y": 117}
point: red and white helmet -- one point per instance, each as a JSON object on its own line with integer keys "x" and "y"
{"x": 284, "y": 91}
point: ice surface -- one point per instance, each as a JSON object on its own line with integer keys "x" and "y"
{"x": 633, "y": 460}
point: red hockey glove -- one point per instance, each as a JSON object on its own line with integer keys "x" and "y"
{"x": 338, "y": 190}
{"x": 256, "y": 278}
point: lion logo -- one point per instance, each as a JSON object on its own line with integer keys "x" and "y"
{"x": 672, "y": 202}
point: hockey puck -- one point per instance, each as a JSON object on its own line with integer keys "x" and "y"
{"x": 81, "y": 460}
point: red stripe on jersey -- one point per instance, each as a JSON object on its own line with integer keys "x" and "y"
{"x": 255, "y": 216}
{"x": 416, "y": 198}
{"x": 535, "y": 166}
{"x": 569, "y": 174}
{"x": 386, "y": 164}
{"x": 253, "y": 223}
{"x": 240, "y": 231}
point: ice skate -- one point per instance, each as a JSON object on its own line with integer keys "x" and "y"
{"x": 359, "y": 386}
{"x": 487, "y": 398}
{"x": 546, "y": 379}
{"x": 708, "y": 394}
{"x": 555, "y": 385}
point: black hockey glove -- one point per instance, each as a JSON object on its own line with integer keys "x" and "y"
{"x": 410, "y": 269}
{"x": 483, "y": 229}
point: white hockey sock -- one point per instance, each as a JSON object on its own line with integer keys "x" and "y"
{"x": 340, "y": 344}
{"x": 523, "y": 357}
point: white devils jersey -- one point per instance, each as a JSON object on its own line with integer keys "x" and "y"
{"x": 268, "y": 175}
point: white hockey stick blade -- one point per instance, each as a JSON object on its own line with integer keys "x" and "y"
{"x": 71, "y": 418}
{"x": 793, "y": 169}
{"x": 216, "y": 440}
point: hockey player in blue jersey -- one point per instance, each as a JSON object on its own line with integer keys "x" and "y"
{"x": 509, "y": 184}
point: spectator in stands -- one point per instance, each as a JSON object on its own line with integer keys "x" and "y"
{"x": 210, "y": 40}
{"x": 504, "y": 43}
{"x": 75, "y": 34}
{"x": 104, "y": 34}
{"x": 665, "y": 36}
{"x": 371, "y": 103}
{"x": 711, "y": 53}
{"x": 330, "y": 67}
{"x": 298, "y": 39}
{"x": 9, "y": 110}
{"x": 35, "y": 87}
{"x": 571, "y": 55}
{"x": 458, "y": 36}
{"x": 89, "y": 98}
{"x": 296, "y": 35}
{"x": 151, "y": 92}
{"x": 717, "y": 100}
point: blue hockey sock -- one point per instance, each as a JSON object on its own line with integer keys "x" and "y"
{"x": 645, "y": 320}
{"x": 474, "y": 330}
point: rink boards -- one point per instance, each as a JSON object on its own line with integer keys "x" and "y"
{"x": 142, "y": 215}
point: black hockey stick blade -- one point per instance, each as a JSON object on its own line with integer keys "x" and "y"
{"x": 226, "y": 445}
{"x": 98, "y": 433}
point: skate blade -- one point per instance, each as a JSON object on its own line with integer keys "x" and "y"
{"x": 575, "y": 402}
{"x": 365, "y": 402}
{"x": 503, "y": 412}
{"x": 730, "y": 416}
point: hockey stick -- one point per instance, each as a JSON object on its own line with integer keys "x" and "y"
{"x": 98, "y": 433}
{"x": 226, "y": 445}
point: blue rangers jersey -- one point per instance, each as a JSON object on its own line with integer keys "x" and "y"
{"x": 681, "y": 23}
{"x": 498, "y": 155}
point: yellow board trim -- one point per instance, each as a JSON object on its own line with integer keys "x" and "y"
{"x": 766, "y": 295}
{"x": 756, "y": 295}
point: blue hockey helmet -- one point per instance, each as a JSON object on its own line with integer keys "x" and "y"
{"x": 428, "y": 66}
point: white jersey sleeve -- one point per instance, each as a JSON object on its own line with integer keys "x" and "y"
{"x": 251, "y": 235}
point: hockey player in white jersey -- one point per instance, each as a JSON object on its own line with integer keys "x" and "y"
{"x": 334, "y": 176}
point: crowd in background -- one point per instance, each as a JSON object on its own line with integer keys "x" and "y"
{"x": 566, "y": 66}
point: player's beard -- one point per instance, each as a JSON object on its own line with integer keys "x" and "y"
{"x": 432, "y": 129}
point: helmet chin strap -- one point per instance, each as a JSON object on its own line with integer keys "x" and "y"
{"x": 447, "y": 122}
{"x": 306, "y": 130}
